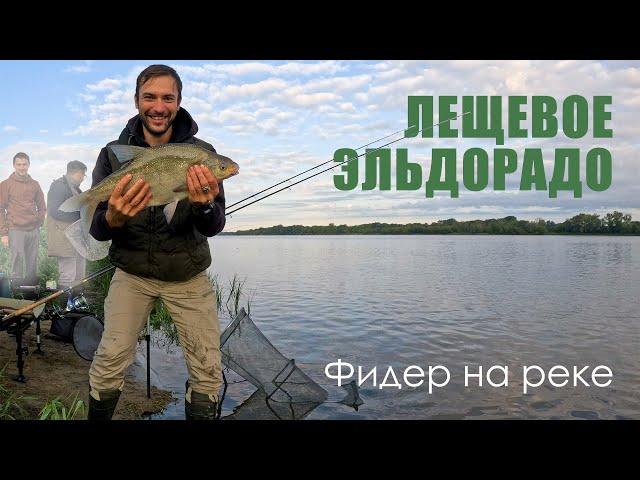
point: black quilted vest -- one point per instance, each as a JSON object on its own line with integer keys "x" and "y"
{"x": 149, "y": 247}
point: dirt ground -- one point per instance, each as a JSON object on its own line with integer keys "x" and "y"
{"x": 61, "y": 372}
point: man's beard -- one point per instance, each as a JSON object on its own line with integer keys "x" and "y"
{"x": 155, "y": 133}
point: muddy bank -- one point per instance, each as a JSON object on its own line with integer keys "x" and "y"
{"x": 61, "y": 372}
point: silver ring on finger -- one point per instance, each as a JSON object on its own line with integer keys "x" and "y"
{"x": 205, "y": 189}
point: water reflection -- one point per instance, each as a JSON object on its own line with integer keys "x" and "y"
{"x": 450, "y": 300}
{"x": 289, "y": 406}
{"x": 260, "y": 406}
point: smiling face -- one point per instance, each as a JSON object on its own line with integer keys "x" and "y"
{"x": 158, "y": 105}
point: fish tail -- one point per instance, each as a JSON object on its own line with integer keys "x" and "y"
{"x": 86, "y": 204}
{"x": 87, "y": 210}
{"x": 73, "y": 204}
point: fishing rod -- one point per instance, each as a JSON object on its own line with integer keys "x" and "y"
{"x": 307, "y": 171}
{"x": 55, "y": 295}
{"x": 349, "y": 160}
{"x": 110, "y": 267}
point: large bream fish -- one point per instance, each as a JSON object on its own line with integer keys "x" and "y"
{"x": 163, "y": 167}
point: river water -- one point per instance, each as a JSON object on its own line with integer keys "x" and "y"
{"x": 449, "y": 300}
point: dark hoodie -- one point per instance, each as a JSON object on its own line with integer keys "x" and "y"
{"x": 147, "y": 245}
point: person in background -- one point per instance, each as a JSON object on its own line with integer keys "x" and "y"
{"x": 22, "y": 213}
{"x": 71, "y": 265}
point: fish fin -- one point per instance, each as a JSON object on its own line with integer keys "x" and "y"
{"x": 73, "y": 204}
{"x": 169, "y": 210}
{"x": 86, "y": 245}
{"x": 181, "y": 188}
{"x": 125, "y": 153}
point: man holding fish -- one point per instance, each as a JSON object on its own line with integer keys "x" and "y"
{"x": 157, "y": 194}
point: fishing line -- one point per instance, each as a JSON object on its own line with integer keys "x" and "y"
{"x": 307, "y": 171}
{"x": 336, "y": 165}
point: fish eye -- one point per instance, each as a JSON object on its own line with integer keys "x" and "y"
{"x": 223, "y": 166}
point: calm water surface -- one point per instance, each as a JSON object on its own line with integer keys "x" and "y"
{"x": 442, "y": 300}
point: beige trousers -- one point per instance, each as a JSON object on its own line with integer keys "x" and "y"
{"x": 24, "y": 247}
{"x": 71, "y": 269}
{"x": 192, "y": 306}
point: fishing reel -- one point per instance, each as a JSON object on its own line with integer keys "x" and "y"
{"x": 77, "y": 303}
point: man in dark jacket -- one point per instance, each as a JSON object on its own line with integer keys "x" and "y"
{"x": 71, "y": 265}
{"x": 157, "y": 257}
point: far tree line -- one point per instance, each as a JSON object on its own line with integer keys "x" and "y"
{"x": 615, "y": 223}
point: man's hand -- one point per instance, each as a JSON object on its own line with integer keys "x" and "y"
{"x": 5, "y": 241}
{"x": 123, "y": 207}
{"x": 202, "y": 184}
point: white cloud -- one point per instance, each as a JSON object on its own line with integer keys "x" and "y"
{"x": 313, "y": 99}
{"x": 120, "y": 96}
{"x": 338, "y": 84}
{"x": 251, "y": 89}
{"x": 271, "y": 121}
{"x": 253, "y": 68}
{"x": 85, "y": 68}
{"x": 347, "y": 107}
{"x": 108, "y": 127}
{"x": 78, "y": 69}
{"x": 111, "y": 108}
{"x": 10, "y": 128}
{"x": 297, "y": 68}
{"x": 257, "y": 110}
{"x": 103, "y": 85}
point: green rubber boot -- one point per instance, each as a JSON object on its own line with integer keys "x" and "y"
{"x": 103, "y": 409}
{"x": 199, "y": 406}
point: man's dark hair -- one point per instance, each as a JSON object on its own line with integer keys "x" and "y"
{"x": 75, "y": 166}
{"x": 21, "y": 155}
{"x": 153, "y": 71}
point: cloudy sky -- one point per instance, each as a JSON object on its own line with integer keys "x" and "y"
{"x": 276, "y": 119}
